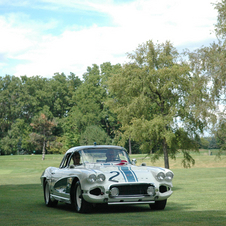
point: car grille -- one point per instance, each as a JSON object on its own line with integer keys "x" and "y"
{"x": 132, "y": 189}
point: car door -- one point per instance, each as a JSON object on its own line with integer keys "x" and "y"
{"x": 60, "y": 178}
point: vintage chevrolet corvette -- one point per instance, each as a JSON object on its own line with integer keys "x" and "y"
{"x": 105, "y": 174}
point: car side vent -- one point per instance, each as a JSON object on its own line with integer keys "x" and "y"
{"x": 163, "y": 188}
{"x": 95, "y": 191}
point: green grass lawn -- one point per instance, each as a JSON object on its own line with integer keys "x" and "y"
{"x": 199, "y": 196}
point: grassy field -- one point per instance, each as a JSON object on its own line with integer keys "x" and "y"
{"x": 199, "y": 196}
{"x": 203, "y": 159}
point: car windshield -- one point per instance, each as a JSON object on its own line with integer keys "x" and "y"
{"x": 103, "y": 155}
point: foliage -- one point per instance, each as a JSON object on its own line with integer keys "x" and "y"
{"x": 89, "y": 100}
{"x": 220, "y": 61}
{"x": 220, "y": 133}
{"x": 62, "y": 90}
{"x": 220, "y": 27}
{"x": 94, "y": 134}
{"x": 204, "y": 143}
{"x": 10, "y": 89}
{"x": 43, "y": 134}
{"x": 156, "y": 99}
{"x": 23, "y": 98}
{"x": 135, "y": 146}
{"x": 90, "y": 109}
{"x": 209, "y": 142}
{"x": 55, "y": 146}
{"x": 210, "y": 62}
{"x": 12, "y": 142}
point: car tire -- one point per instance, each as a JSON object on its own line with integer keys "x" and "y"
{"x": 158, "y": 205}
{"x": 48, "y": 201}
{"x": 80, "y": 204}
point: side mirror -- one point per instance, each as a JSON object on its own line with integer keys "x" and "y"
{"x": 134, "y": 161}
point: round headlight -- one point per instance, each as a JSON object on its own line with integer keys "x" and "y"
{"x": 169, "y": 176}
{"x": 92, "y": 178}
{"x": 151, "y": 191}
{"x": 114, "y": 192}
{"x": 160, "y": 176}
{"x": 101, "y": 178}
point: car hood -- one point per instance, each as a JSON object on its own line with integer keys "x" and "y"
{"x": 128, "y": 173}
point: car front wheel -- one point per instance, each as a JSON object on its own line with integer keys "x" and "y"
{"x": 158, "y": 205}
{"x": 81, "y": 205}
{"x": 47, "y": 198}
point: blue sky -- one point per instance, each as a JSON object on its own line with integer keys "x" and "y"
{"x": 41, "y": 37}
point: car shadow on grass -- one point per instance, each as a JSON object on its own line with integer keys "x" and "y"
{"x": 106, "y": 209}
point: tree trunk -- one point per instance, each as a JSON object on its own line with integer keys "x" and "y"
{"x": 130, "y": 150}
{"x": 43, "y": 150}
{"x": 166, "y": 158}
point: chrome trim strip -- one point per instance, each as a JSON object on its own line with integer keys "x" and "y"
{"x": 137, "y": 202}
{"x": 130, "y": 196}
{"x": 59, "y": 198}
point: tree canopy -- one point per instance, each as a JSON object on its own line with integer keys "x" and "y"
{"x": 43, "y": 132}
{"x": 210, "y": 63}
{"x": 155, "y": 96}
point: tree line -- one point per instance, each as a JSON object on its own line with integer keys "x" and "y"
{"x": 159, "y": 102}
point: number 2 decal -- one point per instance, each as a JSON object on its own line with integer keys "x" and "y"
{"x": 116, "y": 174}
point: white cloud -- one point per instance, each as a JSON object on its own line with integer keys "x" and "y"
{"x": 179, "y": 21}
{"x": 73, "y": 50}
{"x": 19, "y": 33}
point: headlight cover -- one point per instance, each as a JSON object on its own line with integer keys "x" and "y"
{"x": 160, "y": 176}
{"x": 92, "y": 178}
{"x": 169, "y": 176}
{"x": 101, "y": 177}
{"x": 114, "y": 192}
{"x": 151, "y": 191}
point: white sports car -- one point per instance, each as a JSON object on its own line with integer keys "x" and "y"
{"x": 89, "y": 175}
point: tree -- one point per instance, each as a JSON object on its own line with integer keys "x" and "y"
{"x": 10, "y": 143}
{"x": 219, "y": 130}
{"x": 94, "y": 134}
{"x": 35, "y": 94}
{"x": 43, "y": 128}
{"x": 210, "y": 62}
{"x": 204, "y": 142}
{"x": 61, "y": 90}
{"x": 15, "y": 140}
{"x": 109, "y": 120}
{"x": 220, "y": 27}
{"x": 10, "y": 92}
{"x": 160, "y": 102}
{"x": 90, "y": 98}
